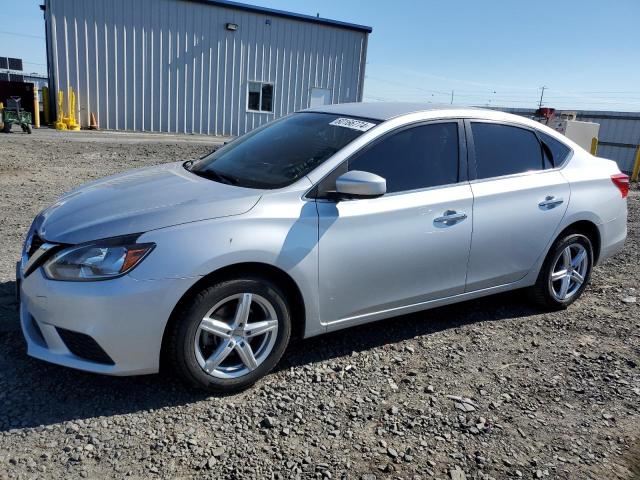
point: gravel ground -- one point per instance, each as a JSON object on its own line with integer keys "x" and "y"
{"x": 485, "y": 389}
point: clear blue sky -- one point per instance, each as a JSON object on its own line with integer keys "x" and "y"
{"x": 489, "y": 52}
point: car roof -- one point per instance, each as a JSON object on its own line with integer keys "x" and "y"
{"x": 386, "y": 110}
{"x": 383, "y": 111}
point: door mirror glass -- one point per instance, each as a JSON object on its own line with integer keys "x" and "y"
{"x": 359, "y": 184}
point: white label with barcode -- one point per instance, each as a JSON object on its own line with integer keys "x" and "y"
{"x": 353, "y": 124}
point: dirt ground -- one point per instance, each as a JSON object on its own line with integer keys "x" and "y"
{"x": 491, "y": 388}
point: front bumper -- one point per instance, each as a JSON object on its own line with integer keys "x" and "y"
{"x": 125, "y": 317}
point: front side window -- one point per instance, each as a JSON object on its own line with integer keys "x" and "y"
{"x": 281, "y": 152}
{"x": 415, "y": 158}
{"x": 505, "y": 150}
{"x": 260, "y": 97}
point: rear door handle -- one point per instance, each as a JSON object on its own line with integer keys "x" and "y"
{"x": 550, "y": 202}
{"x": 450, "y": 217}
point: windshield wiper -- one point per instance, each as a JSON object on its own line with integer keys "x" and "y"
{"x": 216, "y": 176}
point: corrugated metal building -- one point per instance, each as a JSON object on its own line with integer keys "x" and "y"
{"x": 619, "y": 135}
{"x": 198, "y": 66}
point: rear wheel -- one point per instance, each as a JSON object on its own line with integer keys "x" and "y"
{"x": 231, "y": 334}
{"x": 7, "y": 127}
{"x": 565, "y": 272}
{"x": 27, "y": 129}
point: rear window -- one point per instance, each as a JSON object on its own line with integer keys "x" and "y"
{"x": 282, "y": 151}
{"x": 556, "y": 151}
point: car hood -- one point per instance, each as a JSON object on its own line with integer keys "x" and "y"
{"x": 139, "y": 201}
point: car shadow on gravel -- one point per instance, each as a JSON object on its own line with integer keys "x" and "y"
{"x": 396, "y": 329}
{"x": 34, "y": 393}
{"x": 8, "y": 307}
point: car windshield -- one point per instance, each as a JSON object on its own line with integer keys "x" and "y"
{"x": 281, "y": 152}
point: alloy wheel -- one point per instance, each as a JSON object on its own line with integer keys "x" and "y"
{"x": 569, "y": 272}
{"x": 236, "y": 335}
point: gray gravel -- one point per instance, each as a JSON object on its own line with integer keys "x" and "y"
{"x": 491, "y": 388}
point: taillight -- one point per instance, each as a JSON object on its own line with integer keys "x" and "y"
{"x": 621, "y": 181}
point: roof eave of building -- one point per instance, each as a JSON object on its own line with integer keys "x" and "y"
{"x": 281, "y": 13}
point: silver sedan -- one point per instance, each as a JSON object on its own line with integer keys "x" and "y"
{"x": 318, "y": 221}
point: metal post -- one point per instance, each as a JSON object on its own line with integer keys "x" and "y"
{"x": 636, "y": 166}
{"x": 36, "y": 107}
{"x": 541, "y": 96}
{"x": 46, "y": 106}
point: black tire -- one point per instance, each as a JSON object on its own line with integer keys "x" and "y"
{"x": 28, "y": 129}
{"x": 7, "y": 128}
{"x": 542, "y": 292}
{"x": 181, "y": 345}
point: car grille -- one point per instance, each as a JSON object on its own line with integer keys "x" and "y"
{"x": 39, "y": 251}
{"x": 36, "y": 242}
{"x": 83, "y": 346}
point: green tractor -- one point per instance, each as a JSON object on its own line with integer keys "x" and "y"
{"x": 14, "y": 113}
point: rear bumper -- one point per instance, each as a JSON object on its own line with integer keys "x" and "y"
{"x": 125, "y": 317}
{"x": 613, "y": 235}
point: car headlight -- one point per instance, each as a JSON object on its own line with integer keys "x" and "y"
{"x": 95, "y": 261}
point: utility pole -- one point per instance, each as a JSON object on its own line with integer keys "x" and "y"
{"x": 541, "y": 96}
{"x": 451, "y": 97}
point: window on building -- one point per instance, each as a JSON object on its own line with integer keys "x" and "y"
{"x": 260, "y": 98}
{"x": 505, "y": 150}
{"x": 415, "y": 158}
{"x": 319, "y": 97}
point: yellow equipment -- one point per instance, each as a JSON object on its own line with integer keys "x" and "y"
{"x": 69, "y": 122}
{"x": 72, "y": 123}
{"x": 60, "y": 123}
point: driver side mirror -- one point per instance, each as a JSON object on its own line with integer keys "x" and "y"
{"x": 359, "y": 184}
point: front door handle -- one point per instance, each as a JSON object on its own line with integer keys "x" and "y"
{"x": 550, "y": 202}
{"x": 450, "y": 217}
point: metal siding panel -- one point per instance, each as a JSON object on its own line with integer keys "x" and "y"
{"x": 128, "y": 65}
{"x": 119, "y": 29}
{"x": 205, "y": 72}
{"x": 154, "y": 69}
{"x": 189, "y": 68}
{"x": 89, "y": 59}
{"x": 111, "y": 27}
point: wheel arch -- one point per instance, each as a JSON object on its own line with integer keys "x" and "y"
{"x": 238, "y": 270}
{"x": 588, "y": 229}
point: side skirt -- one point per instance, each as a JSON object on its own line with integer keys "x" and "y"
{"x": 393, "y": 312}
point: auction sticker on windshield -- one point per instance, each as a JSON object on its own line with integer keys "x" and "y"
{"x": 353, "y": 124}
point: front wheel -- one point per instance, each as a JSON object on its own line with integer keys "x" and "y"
{"x": 231, "y": 334}
{"x": 565, "y": 272}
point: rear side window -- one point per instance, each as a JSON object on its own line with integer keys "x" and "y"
{"x": 556, "y": 151}
{"x": 505, "y": 150}
{"x": 415, "y": 158}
